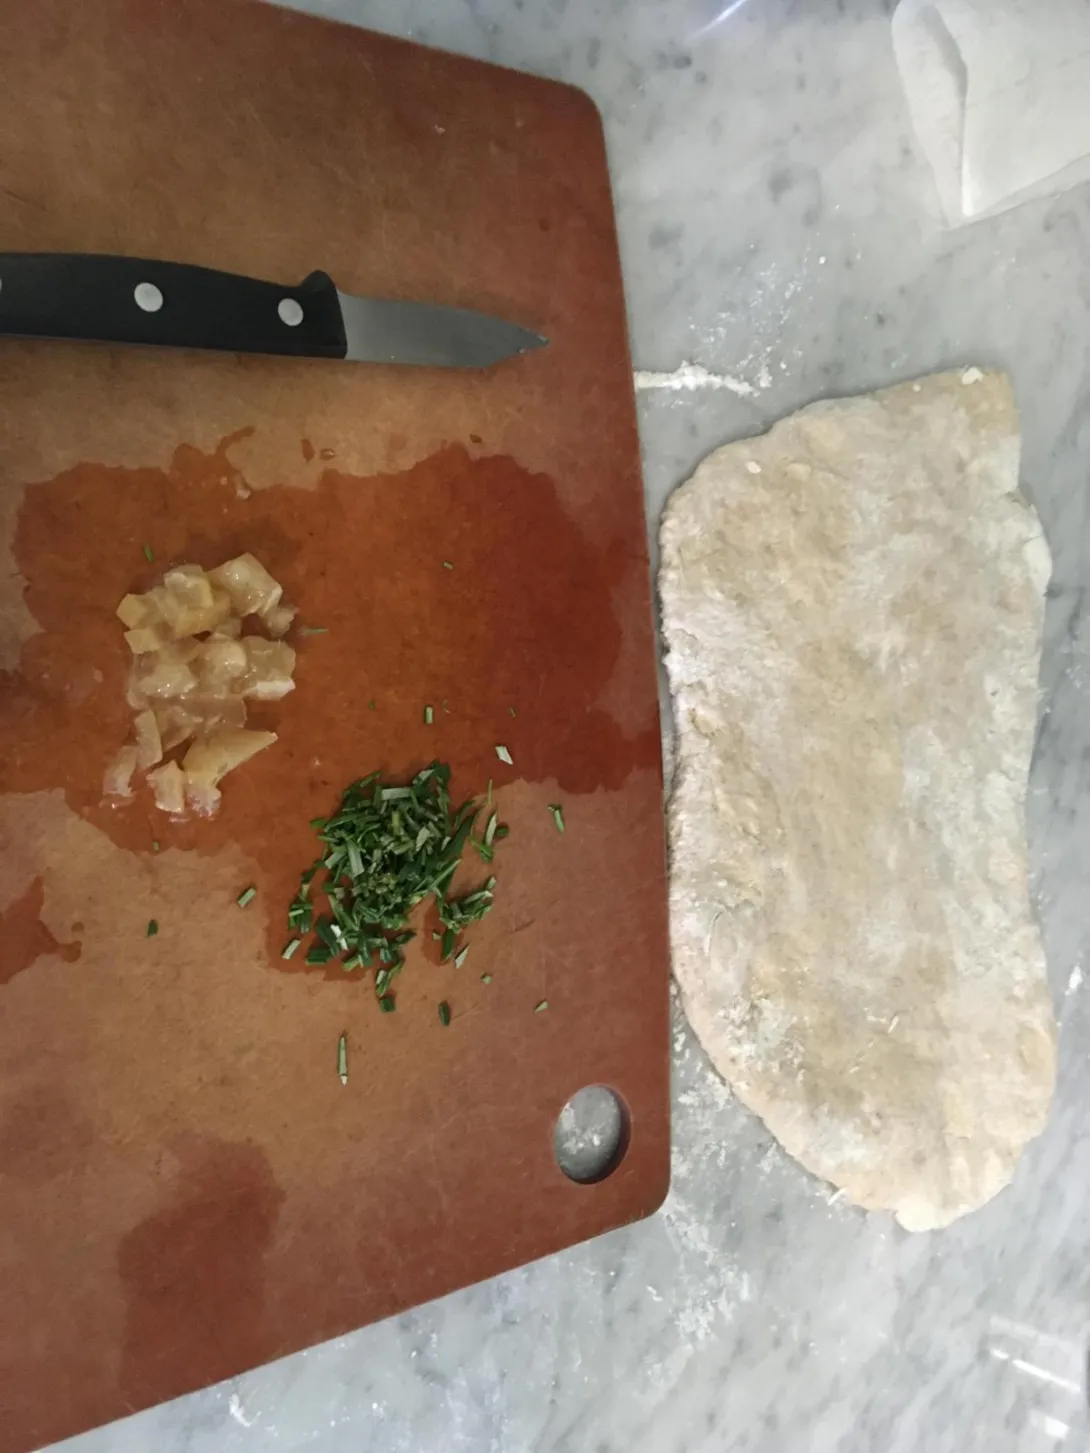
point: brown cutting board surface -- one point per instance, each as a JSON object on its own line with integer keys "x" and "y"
{"x": 186, "y": 1188}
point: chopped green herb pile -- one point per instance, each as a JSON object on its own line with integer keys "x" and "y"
{"x": 386, "y": 849}
{"x": 153, "y": 928}
{"x": 558, "y": 815}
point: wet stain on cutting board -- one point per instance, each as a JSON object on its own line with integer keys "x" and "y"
{"x": 25, "y": 938}
{"x": 459, "y": 584}
{"x": 193, "y": 1272}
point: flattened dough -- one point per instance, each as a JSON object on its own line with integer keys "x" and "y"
{"x": 852, "y": 606}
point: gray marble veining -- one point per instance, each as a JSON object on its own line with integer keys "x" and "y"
{"x": 778, "y": 229}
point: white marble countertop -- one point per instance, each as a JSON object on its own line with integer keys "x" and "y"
{"x": 779, "y": 229}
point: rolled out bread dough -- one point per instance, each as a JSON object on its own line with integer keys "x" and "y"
{"x": 853, "y": 607}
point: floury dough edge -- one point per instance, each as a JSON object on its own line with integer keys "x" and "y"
{"x": 853, "y": 606}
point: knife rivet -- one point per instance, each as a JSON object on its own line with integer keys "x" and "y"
{"x": 290, "y": 312}
{"x": 148, "y": 297}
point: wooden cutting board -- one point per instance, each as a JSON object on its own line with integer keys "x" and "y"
{"x": 186, "y": 1188}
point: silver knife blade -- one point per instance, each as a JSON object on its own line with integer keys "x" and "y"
{"x": 380, "y": 330}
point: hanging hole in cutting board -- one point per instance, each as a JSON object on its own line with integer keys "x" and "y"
{"x": 591, "y": 1134}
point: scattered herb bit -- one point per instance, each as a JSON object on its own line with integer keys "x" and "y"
{"x": 385, "y": 977}
{"x": 458, "y": 913}
{"x": 444, "y": 1013}
{"x": 155, "y": 847}
{"x": 246, "y": 896}
{"x": 446, "y": 708}
{"x": 314, "y": 630}
{"x": 488, "y": 803}
{"x": 371, "y": 704}
{"x": 460, "y": 957}
{"x": 448, "y": 564}
{"x": 342, "y": 1059}
{"x": 558, "y": 815}
{"x": 300, "y": 911}
{"x": 290, "y": 947}
{"x": 511, "y": 709}
{"x": 149, "y": 554}
{"x": 152, "y": 929}
{"x": 326, "y": 930}
{"x": 429, "y": 716}
{"x": 386, "y": 849}
{"x": 486, "y": 978}
{"x": 490, "y": 830}
{"x": 504, "y": 755}
{"x": 542, "y": 1004}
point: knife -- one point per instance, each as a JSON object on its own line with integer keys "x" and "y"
{"x": 175, "y": 305}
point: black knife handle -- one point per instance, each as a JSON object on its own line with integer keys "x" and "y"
{"x": 134, "y": 300}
